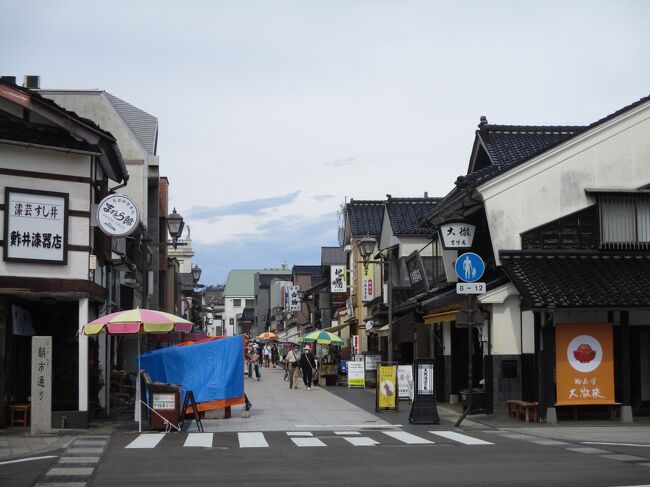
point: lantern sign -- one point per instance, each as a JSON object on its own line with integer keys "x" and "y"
{"x": 118, "y": 215}
{"x": 457, "y": 235}
{"x": 417, "y": 274}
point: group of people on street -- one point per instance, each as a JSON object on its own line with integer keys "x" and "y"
{"x": 263, "y": 355}
{"x": 296, "y": 364}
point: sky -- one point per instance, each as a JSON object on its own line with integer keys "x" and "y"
{"x": 273, "y": 114}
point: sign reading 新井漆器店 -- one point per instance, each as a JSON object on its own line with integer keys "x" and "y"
{"x": 584, "y": 362}
{"x": 35, "y": 226}
{"x": 356, "y": 374}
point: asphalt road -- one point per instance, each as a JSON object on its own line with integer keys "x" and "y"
{"x": 390, "y": 462}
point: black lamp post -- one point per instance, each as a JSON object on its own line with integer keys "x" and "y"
{"x": 196, "y": 273}
{"x": 175, "y": 225}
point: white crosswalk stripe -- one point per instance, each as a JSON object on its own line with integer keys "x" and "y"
{"x": 464, "y": 439}
{"x": 149, "y": 440}
{"x": 407, "y": 438}
{"x": 252, "y": 440}
{"x": 361, "y": 441}
{"x": 199, "y": 439}
{"x": 308, "y": 442}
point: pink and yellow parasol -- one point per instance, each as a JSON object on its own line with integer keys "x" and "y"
{"x": 267, "y": 335}
{"x": 137, "y": 321}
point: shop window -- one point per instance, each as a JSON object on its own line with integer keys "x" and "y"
{"x": 236, "y": 303}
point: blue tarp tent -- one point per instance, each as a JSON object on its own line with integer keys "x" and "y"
{"x": 212, "y": 370}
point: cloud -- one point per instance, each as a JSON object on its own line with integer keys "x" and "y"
{"x": 348, "y": 161}
{"x": 250, "y": 207}
{"x": 323, "y": 197}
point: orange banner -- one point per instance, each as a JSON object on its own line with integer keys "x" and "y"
{"x": 584, "y": 360}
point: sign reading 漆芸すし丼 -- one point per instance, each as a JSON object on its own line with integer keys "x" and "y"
{"x": 584, "y": 361}
{"x": 35, "y": 226}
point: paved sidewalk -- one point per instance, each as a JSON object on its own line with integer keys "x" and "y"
{"x": 19, "y": 443}
{"x": 278, "y": 408}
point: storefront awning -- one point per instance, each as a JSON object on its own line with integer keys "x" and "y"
{"x": 588, "y": 280}
{"x": 334, "y": 329}
{"x": 434, "y": 318}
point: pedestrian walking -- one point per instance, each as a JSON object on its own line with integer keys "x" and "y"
{"x": 267, "y": 355}
{"x": 275, "y": 355}
{"x": 308, "y": 366}
{"x": 293, "y": 366}
{"x": 252, "y": 361}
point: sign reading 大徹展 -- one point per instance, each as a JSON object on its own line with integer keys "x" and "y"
{"x": 35, "y": 226}
{"x": 338, "y": 279}
{"x": 118, "y": 215}
{"x": 457, "y": 235}
{"x": 425, "y": 379}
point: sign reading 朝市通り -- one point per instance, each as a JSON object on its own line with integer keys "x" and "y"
{"x": 118, "y": 215}
{"x": 584, "y": 362}
{"x": 35, "y": 226}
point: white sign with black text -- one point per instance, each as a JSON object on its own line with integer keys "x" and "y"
{"x": 118, "y": 215}
{"x": 470, "y": 288}
{"x": 425, "y": 379}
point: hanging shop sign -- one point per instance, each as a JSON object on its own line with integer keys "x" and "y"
{"x": 405, "y": 381}
{"x": 338, "y": 279}
{"x": 584, "y": 362}
{"x": 416, "y": 273}
{"x": 293, "y": 299}
{"x": 354, "y": 341}
{"x": 367, "y": 283}
{"x": 423, "y": 408}
{"x": 118, "y": 215}
{"x": 457, "y": 235}
{"x": 35, "y": 226}
{"x": 356, "y": 374}
{"x": 387, "y": 387}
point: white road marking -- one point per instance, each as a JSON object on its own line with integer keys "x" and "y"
{"x": 341, "y": 426}
{"x": 144, "y": 441}
{"x": 464, "y": 439}
{"x": 299, "y": 433}
{"x": 407, "y": 438}
{"x": 252, "y": 440}
{"x": 347, "y": 433}
{"x": 78, "y": 459}
{"x": 70, "y": 471}
{"x": 20, "y": 460}
{"x": 615, "y": 444}
{"x": 308, "y": 442}
{"x": 199, "y": 439}
{"x": 361, "y": 441}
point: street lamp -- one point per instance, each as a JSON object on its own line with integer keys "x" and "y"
{"x": 366, "y": 248}
{"x": 196, "y": 273}
{"x": 175, "y": 225}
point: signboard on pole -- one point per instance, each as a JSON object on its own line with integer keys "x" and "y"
{"x": 355, "y": 344}
{"x": 416, "y": 273}
{"x": 457, "y": 235}
{"x": 387, "y": 387}
{"x": 356, "y": 374}
{"x": 405, "y": 381}
{"x": 367, "y": 283}
{"x": 424, "y": 409}
{"x": 338, "y": 279}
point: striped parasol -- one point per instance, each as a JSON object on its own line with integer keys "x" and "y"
{"x": 137, "y": 321}
{"x": 322, "y": 337}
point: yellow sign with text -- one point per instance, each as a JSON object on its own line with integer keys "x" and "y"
{"x": 386, "y": 386}
{"x": 584, "y": 360}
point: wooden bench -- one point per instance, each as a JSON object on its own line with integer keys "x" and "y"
{"x": 23, "y": 420}
{"x": 528, "y": 411}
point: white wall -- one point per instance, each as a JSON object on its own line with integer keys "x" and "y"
{"x": 613, "y": 155}
{"x": 506, "y": 327}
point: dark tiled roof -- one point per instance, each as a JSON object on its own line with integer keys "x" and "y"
{"x": 248, "y": 314}
{"x": 364, "y": 217}
{"x": 312, "y": 270}
{"x": 579, "y": 280}
{"x": 510, "y": 144}
{"x": 407, "y": 215}
{"x": 19, "y": 130}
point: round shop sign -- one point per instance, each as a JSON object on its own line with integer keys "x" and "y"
{"x": 584, "y": 353}
{"x": 118, "y": 215}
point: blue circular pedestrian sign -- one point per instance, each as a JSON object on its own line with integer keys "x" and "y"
{"x": 469, "y": 267}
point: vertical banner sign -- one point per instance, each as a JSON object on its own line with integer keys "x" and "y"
{"x": 338, "y": 279}
{"x": 294, "y": 300}
{"x": 41, "y": 411}
{"x": 405, "y": 381}
{"x": 416, "y": 273}
{"x": 355, "y": 344}
{"x": 387, "y": 386}
{"x": 356, "y": 374}
{"x": 425, "y": 379}
{"x": 368, "y": 283}
{"x": 423, "y": 408}
{"x": 35, "y": 226}
{"x": 584, "y": 362}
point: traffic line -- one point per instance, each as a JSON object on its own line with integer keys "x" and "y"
{"x": 252, "y": 440}
{"x": 30, "y": 459}
{"x": 299, "y": 433}
{"x": 361, "y": 441}
{"x": 615, "y": 444}
{"x": 347, "y": 433}
{"x": 199, "y": 439}
{"x": 71, "y": 471}
{"x": 407, "y": 438}
{"x": 146, "y": 440}
{"x": 464, "y": 439}
{"x": 307, "y": 442}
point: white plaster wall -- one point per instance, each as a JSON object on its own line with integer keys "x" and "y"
{"x": 506, "y": 327}
{"x": 40, "y": 160}
{"x": 613, "y": 155}
{"x": 528, "y": 331}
